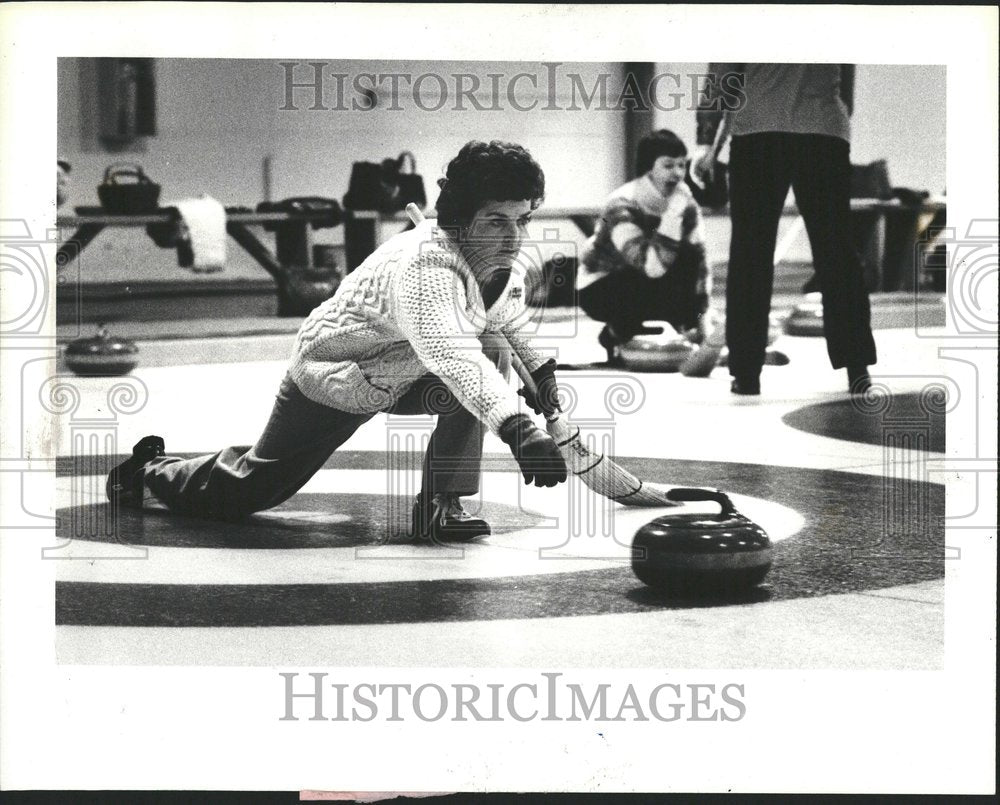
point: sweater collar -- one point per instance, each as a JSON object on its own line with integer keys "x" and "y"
{"x": 464, "y": 270}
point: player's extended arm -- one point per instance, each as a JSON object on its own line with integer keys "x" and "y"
{"x": 429, "y": 302}
{"x": 529, "y": 356}
{"x": 696, "y": 237}
{"x": 542, "y": 394}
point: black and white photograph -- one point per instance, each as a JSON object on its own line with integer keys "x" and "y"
{"x": 407, "y": 418}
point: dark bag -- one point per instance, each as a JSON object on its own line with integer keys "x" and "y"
{"x": 126, "y": 190}
{"x": 411, "y": 183}
{"x": 384, "y": 187}
{"x": 327, "y": 211}
{"x": 554, "y": 285}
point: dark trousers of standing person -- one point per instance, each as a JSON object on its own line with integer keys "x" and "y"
{"x": 301, "y": 435}
{"x": 818, "y": 168}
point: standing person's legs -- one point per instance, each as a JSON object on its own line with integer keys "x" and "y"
{"x": 298, "y": 438}
{"x": 822, "y": 182}
{"x": 758, "y": 184}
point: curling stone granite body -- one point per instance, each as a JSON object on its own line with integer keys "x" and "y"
{"x": 102, "y": 355}
{"x": 807, "y": 318}
{"x": 690, "y": 553}
{"x": 658, "y": 352}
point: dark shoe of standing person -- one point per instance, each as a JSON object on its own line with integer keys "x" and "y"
{"x": 746, "y": 385}
{"x": 858, "y": 380}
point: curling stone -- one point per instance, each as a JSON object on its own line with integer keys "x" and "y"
{"x": 663, "y": 351}
{"x": 701, "y": 553}
{"x": 102, "y": 355}
{"x": 807, "y": 318}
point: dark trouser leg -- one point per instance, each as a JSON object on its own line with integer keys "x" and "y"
{"x": 672, "y": 298}
{"x": 299, "y": 437}
{"x": 821, "y": 177}
{"x": 453, "y": 459}
{"x": 454, "y": 456}
{"x": 627, "y": 298}
{"x": 454, "y": 453}
{"x": 759, "y": 179}
{"x": 611, "y": 299}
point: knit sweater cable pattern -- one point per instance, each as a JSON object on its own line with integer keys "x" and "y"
{"x": 412, "y": 307}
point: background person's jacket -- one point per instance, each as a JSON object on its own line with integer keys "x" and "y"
{"x": 644, "y": 231}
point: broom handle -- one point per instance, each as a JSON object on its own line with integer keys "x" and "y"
{"x": 417, "y": 217}
{"x": 522, "y": 372}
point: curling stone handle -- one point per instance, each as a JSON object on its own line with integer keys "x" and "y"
{"x": 693, "y": 494}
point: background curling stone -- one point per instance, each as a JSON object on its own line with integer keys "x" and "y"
{"x": 806, "y": 318}
{"x": 102, "y": 355}
{"x": 707, "y": 554}
{"x": 657, "y": 352}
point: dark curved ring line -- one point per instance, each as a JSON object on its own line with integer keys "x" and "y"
{"x": 906, "y": 416}
{"x": 843, "y": 547}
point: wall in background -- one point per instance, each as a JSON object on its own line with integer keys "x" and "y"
{"x": 899, "y": 116}
{"x": 219, "y": 119}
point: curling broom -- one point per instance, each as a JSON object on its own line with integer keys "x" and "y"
{"x": 703, "y": 360}
{"x": 596, "y": 470}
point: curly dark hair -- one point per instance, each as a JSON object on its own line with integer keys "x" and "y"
{"x": 483, "y": 172}
{"x": 662, "y": 143}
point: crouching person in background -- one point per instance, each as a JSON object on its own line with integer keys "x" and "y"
{"x": 646, "y": 259}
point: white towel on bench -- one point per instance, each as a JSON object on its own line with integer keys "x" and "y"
{"x": 205, "y": 221}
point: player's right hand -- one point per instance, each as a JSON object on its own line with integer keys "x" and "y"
{"x": 534, "y": 450}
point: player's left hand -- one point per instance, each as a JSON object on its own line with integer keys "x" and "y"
{"x": 546, "y": 402}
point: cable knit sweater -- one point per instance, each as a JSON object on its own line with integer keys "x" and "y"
{"x": 412, "y": 307}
